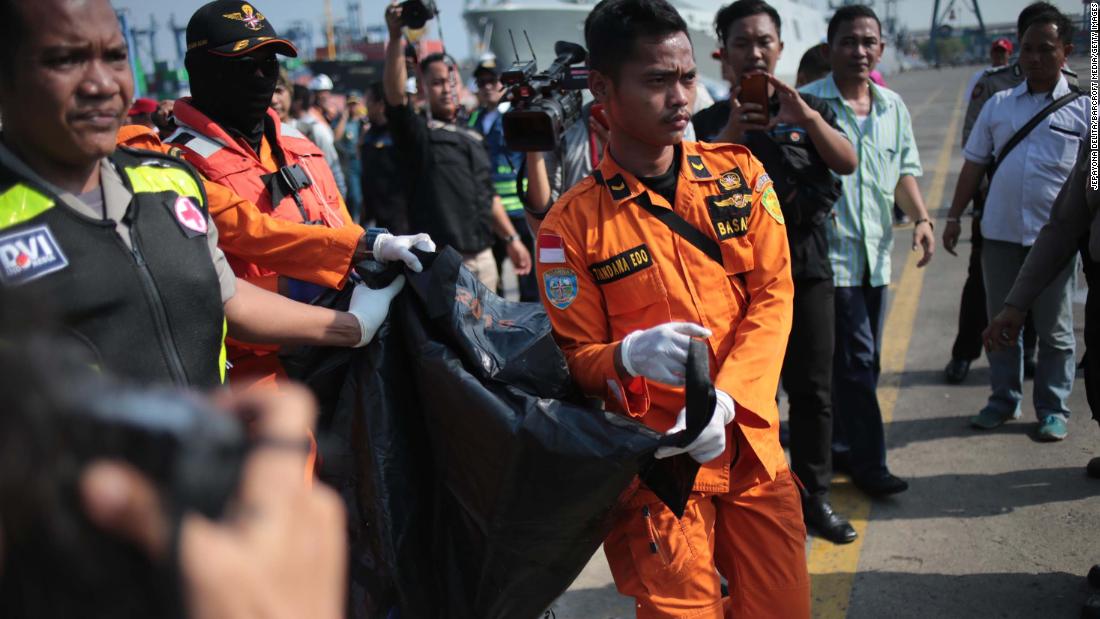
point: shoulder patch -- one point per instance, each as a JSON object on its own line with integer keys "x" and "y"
{"x": 560, "y": 286}
{"x": 698, "y": 168}
{"x": 761, "y": 181}
{"x": 731, "y": 180}
{"x": 622, "y": 264}
{"x": 28, "y": 254}
{"x": 771, "y": 205}
{"x": 617, "y": 186}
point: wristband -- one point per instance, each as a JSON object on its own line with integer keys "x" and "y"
{"x": 511, "y": 237}
{"x": 924, "y": 220}
{"x": 954, "y": 220}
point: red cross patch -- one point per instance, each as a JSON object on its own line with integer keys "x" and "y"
{"x": 190, "y": 217}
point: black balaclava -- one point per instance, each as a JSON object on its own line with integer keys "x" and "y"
{"x": 232, "y": 92}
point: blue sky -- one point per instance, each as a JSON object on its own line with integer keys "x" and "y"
{"x": 916, "y": 14}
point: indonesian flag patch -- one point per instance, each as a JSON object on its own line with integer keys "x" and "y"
{"x": 551, "y": 249}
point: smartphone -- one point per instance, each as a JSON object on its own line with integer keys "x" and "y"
{"x": 598, "y": 113}
{"x": 754, "y": 89}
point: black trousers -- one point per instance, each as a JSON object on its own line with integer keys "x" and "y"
{"x": 807, "y": 379}
{"x": 1092, "y": 330}
{"x": 973, "y": 318}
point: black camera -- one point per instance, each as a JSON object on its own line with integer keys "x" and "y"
{"x": 544, "y": 104}
{"x": 59, "y": 416}
{"x": 416, "y": 13}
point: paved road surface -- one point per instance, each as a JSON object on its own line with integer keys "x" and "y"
{"x": 995, "y": 524}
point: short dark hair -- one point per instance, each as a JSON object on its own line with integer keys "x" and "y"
{"x": 431, "y": 59}
{"x": 11, "y": 35}
{"x": 303, "y": 96}
{"x": 613, "y": 26}
{"x": 740, "y": 10}
{"x": 849, "y": 13}
{"x": 1029, "y": 13}
{"x": 815, "y": 61}
{"x": 1058, "y": 20}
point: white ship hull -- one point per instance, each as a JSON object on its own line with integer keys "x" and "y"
{"x": 549, "y": 21}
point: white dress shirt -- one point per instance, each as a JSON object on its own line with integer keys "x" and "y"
{"x": 1029, "y": 179}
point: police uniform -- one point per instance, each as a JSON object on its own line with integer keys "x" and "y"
{"x": 137, "y": 280}
{"x": 606, "y": 268}
{"x": 972, "y": 310}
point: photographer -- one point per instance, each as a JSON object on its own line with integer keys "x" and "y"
{"x": 800, "y": 144}
{"x": 116, "y": 244}
{"x": 95, "y": 536}
{"x": 449, "y": 188}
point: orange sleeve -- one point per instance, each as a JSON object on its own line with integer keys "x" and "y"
{"x": 750, "y": 373}
{"x": 316, "y": 254}
{"x": 139, "y": 136}
{"x": 580, "y": 321}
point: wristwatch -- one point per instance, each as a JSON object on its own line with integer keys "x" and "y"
{"x": 372, "y": 237}
{"x": 511, "y": 237}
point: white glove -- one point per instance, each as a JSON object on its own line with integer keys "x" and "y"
{"x": 711, "y": 442}
{"x": 390, "y": 248}
{"x": 370, "y": 306}
{"x": 660, "y": 353}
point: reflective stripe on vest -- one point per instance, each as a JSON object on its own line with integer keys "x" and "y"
{"x": 155, "y": 179}
{"x": 195, "y": 141}
{"x": 22, "y": 203}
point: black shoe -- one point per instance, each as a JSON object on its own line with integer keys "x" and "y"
{"x": 881, "y": 486}
{"x": 819, "y": 516}
{"x": 1093, "y": 470}
{"x": 1094, "y": 577}
{"x": 956, "y": 371}
{"x": 1029, "y": 367}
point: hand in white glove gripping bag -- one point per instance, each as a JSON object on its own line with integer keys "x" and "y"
{"x": 390, "y": 248}
{"x": 711, "y": 442}
{"x": 370, "y": 306}
{"x": 660, "y": 353}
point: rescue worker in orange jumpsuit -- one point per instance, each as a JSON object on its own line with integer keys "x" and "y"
{"x": 297, "y": 237}
{"x": 627, "y": 286}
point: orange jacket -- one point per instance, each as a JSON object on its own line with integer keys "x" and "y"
{"x": 608, "y": 267}
{"x": 316, "y": 254}
{"x": 246, "y": 235}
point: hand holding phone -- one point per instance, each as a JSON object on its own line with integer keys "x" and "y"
{"x": 753, "y": 96}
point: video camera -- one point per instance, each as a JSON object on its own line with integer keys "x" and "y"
{"x": 416, "y": 13}
{"x": 544, "y": 104}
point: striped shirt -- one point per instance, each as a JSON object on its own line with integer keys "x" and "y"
{"x": 861, "y": 234}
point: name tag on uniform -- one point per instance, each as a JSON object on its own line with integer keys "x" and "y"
{"x": 620, "y": 265}
{"x": 28, "y": 255}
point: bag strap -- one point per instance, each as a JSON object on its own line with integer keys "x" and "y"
{"x": 1023, "y": 132}
{"x": 677, "y": 224}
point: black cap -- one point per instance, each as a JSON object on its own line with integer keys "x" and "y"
{"x": 233, "y": 28}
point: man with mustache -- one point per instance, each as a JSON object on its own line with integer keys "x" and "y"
{"x": 115, "y": 246}
{"x": 445, "y": 168}
{"x": 666, "y": 241}
{"x": 861, "y": 237}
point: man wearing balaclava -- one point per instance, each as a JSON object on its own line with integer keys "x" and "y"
{"x": 227, "y": 131}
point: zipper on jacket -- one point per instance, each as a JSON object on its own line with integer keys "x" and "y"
{"x": 160, "y": 316}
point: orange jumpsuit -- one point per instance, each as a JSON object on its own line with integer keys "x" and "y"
{"x": 607, "y": 267}
{"x": 251, "y": 235}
